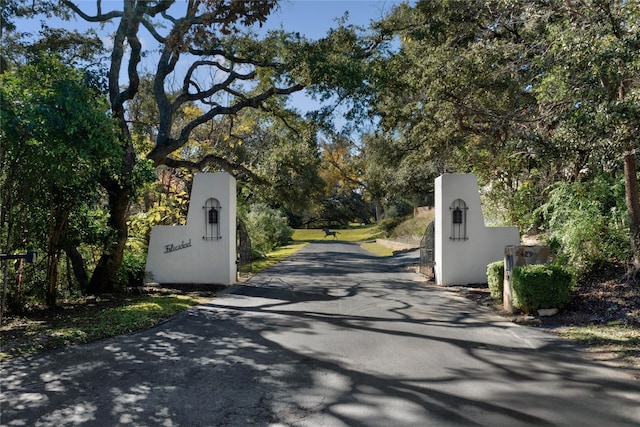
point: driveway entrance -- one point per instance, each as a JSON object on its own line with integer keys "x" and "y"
{"x": 331, "y": 337}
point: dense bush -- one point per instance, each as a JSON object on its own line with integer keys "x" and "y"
{"x": 587, "y": 222}
{"x": 132, "y": 271}
{"x": 495, "y": 278}
{"x": 541, "y": 286}
{"x": 267, "y": 227}
{"x": 415, "y": 226}
{"x": 389, "y": 224}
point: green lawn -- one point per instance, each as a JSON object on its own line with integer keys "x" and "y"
{"x": 74, "y": 327}
{"x": 377, "y": 249}
{"x": 614, "y": 338}
{"x": 365, "y": 234}
{"x": 301, "y": 237}
{"x": 351, "y": 234}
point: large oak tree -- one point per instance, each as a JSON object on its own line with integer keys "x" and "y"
{"x": 519, "y": 92}
{"x": 199, "y": 54}
{"x": 57, "y": 140}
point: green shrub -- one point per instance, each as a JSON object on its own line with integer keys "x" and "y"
{"x": 411, "y": 227}
{"x": 587, "y": 222}
{"x": 268, "y": 228}
{"x": 541, "y": 286}
{"x": 132, "y": 271}
{"x": 389, "y": 224}
{"x": 495, "y": 278}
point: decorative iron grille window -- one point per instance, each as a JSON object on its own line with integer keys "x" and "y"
{"x": 212, "y": 219}
{"x": 458, "y": 220}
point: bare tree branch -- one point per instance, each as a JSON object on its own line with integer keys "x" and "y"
{"x": 234, "y": 169}
{"x": 165, "y": 145}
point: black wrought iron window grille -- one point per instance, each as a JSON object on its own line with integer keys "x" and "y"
{"x": 212, "y": 211}
{"x": 458, "y": 220}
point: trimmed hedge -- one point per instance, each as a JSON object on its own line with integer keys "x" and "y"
{"x": 541, "y": 286}
{"x": 495, "y": 278}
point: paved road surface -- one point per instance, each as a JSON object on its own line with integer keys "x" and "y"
{"x": 331, "y": 337}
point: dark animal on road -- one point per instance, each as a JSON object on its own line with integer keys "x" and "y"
{"x": 328, "y": 232}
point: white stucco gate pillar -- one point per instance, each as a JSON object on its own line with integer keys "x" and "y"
{"x": 464, "y": 245}
{"x": 204, "y": 249}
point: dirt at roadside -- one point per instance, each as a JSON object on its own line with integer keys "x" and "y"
{"x": 606, "y": 297}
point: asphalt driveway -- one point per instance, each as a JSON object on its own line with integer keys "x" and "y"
{"x": 333, "y": 336}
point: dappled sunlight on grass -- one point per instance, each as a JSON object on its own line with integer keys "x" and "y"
{"x": 611, "y": 333}
{"x": 145, "y": 311}
{"x": 272, "y": 258}
{"x": 621, "y": 340}
{"x": 132, "y": 314}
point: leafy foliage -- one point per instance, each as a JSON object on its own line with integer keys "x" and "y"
{"x": 541, "y": 286}
{"x": 267, "y": 228}
{"x": 524, "y": 94}
{"x": 413, "y": 226}
{"x": 228, "y": 70}
{"x": 495, "y": 278}
{"x": 587, "y": 222}
{"x": 390, "y": 224}
{"x": 58, "y": 141}
{"x": 132, "y": 271}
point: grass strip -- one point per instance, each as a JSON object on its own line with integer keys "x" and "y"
{"x": 273, "y": 257}
{"x": 352, "y": 234}
{"x": 134, "y": 313}
{"x": 622, "y": 340}
{"x": 377, "y": 249}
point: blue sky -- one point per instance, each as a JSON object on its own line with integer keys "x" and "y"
{"x": 312, "y": 18}
{"x": 309, "y": 17}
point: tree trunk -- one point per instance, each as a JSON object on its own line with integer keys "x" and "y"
{"x": 56, "y": 232}
{"x": 244, "y": 244}
{"x": 52, "y": 278}
{"x": 77, "y": 264}
{"x": 103, "y": 277}
{"x": 633, "y": 207}
{"x": 52, "y": 269}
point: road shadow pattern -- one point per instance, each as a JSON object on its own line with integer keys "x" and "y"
{"x": 223, "y": 363}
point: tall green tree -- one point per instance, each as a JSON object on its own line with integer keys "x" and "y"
{"x": 272, "y": 150}
{"x": 456, "y": 93}
{"x": 58, "y": 140}
{"x": 589, "y": 92}
{"x": 523, "y": 93}
{"x": 203, "y": 58}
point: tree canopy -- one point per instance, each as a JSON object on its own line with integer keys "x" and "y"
{"x": 209, "y": 67}
{"x": 539, "y": 99}
{"x": 522, "y": 93}
{"x": 58, "y": 140}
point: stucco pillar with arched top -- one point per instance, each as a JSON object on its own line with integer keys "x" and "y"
{"x": 464, "y": 245}
{"x": 204, "y": 249}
